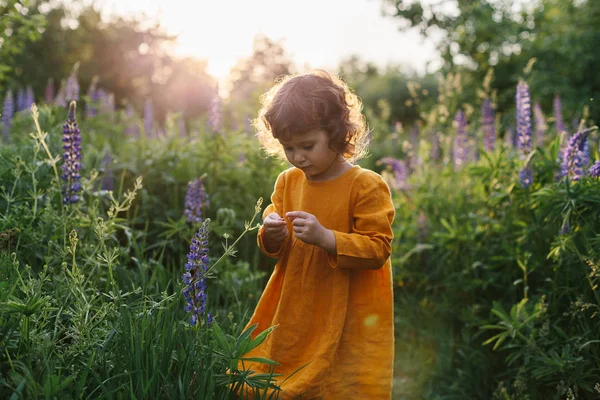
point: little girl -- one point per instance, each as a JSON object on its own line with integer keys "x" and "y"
{"x": 329, "y": 226}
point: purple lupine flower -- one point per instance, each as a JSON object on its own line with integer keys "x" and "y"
{"x": 194, "y": 278}
{"x": 29, "y": 98}
{"x": 61, "y": 100}
{"x": 526, "y": 176}
{"x": 107, "y": 177}
{"x": 558, "y": 119}
{"x": 196, "y": 199}
{"x": 573, "y": 159}
{"x": 148, "y": 118}
{"x": 585, "y": 154}
{"x": 489, "y": 130}
{"x": 523, "y": 120}
{"x": 215, "y": 114}
{"x": 20, "y": 100}
{"x": 400, "y": 171}
{"x": 92, "y": 94}
{"x": 49, "y": 92}
{"x": 540, "y": 125}
{"x": 72, "y": 88}
{"x": 594, "y": 170}
{"x": 71, "y": 157}
{"x": 8, "y": 110}
{"x": 461, "y": 151}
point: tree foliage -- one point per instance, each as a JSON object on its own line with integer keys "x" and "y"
{"x": 17, "y": 28}
{"x": 131, "y": 60}
{"x": 505, "y": 35}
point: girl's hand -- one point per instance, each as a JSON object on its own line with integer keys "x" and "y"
{"x": 308, "y": 229}
{"x": 275, "y": 228}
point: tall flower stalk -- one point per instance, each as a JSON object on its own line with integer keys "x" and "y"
{"x": 399, "y": 170}
{"x": 196, "y": 200}
{"x": 573, "y": 157}
{"x": 29, "y": 98}
{"x": 489, "y": 130}
{"x": 524, "y": 131}
{"x": 20, "y": 100}
{"x": 594, "y": 170}
{"x": 72, "y": 87}
{"x": 71, "y": 157}
{"x": 49, "y": 92}
{"x": 194, "y": 277}
{"x": 460, "y": 140}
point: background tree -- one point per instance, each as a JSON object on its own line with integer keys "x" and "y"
{"x": 252, "y": 76}
{"x": 130, "y": 59}
{"x": 477, "y": 35}
{"x": 17, "y": 28}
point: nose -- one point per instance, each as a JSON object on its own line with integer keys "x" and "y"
{"x": 299, "y": 158}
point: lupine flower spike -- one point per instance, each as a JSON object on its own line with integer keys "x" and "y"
{"x": 61, "y": 100}
{"x": 49, "y": 93}
{"x": 558, "y": 119}
{"x": 460, "y": 140}
{"x": 29, "y": 98}
{"x": 8, "y": 111}
{"x": 71, "y": 157}
{"x": 194, "y": 277}
{"x": 399, "y": 170}
{"x": 594, "y": 170}
{"x": 524, "y": 131}
{"x": 72, "y": 88}
{"x": 573, "y": 157}
{"x": 92, "y": 94}
{"x": 489, "y": 130}
{"x": 196, "y": 200}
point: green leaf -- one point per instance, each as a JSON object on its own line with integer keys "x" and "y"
{"x": 261, "y": 337}
{"x": 221, "y": 339}
{"x": 261, "y": 360}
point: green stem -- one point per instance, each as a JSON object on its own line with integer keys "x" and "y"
{"x": 230, "y": 248}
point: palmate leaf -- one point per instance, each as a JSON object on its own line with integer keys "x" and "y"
{"x": 221, "y": 339}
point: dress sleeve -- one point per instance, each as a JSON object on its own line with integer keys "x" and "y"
{"x": 277, "y": 207}
{"x": 369, "y": 244}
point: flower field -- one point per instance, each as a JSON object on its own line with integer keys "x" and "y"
{"x": 129, "y": 265}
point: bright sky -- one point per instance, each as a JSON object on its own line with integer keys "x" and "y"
{"x": 315, "y": 33}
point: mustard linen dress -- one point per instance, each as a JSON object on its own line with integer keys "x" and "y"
{"x": 334, "y": 311}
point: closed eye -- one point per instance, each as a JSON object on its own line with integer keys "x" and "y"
{"x": 307, "y": 147}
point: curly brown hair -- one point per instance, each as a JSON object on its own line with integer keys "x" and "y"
{"x": 314, "y": 100}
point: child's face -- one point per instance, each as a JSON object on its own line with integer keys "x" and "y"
{"x": 310, "y": 152}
